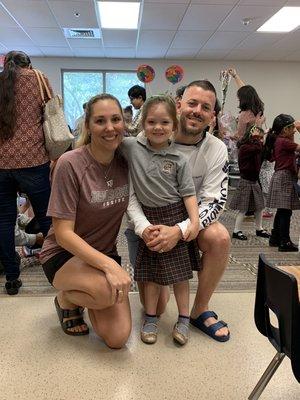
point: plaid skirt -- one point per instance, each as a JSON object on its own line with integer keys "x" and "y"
{"x": 282, "y": 193}
{"x": 247, "y": 197}
{"x": 175, "y": 265}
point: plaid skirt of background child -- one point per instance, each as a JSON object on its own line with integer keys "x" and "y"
{"x": 282, "y": 193}
{"x": 172, "y": 266}
{"x": 247, "y": 197}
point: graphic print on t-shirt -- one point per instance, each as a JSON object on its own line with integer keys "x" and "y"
{"x": 109, "y": 197}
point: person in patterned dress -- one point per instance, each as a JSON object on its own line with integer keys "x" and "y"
{"x": 24, "y": 162}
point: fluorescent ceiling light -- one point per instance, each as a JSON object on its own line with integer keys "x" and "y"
{"x": 117, "y": 15}
{"x": 285, "y": 20}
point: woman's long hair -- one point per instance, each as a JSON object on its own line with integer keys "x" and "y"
{"x": 279, "y": 123}
{"x": 249, "y": 100}
{"x": 85, "y": 137}
{"x": 12, "y": 62}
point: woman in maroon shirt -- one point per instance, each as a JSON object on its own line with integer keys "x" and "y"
{"x": 248, "y": 195}
{"x": 280, "y": 146}
{"x": 24, "y": 162}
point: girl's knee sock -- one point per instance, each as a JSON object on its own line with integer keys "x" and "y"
{"x": 258, "y": 220}
{"x": 239, "y": 221}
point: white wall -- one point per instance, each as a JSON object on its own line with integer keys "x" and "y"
{"x": 278, "y": 83}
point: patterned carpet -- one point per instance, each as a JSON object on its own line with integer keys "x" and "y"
{"x": 240, "y": 274}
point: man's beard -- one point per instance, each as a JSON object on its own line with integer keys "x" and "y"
{"x": 188, "y": 131}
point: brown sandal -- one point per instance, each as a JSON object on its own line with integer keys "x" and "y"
{"x": 71, "y": 323}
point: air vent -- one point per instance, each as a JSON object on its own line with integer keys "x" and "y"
{"x": 81, "y": 33}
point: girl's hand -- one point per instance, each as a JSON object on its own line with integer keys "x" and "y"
{"x": 232, "y": 72}
{"x": 119, "y": 281}
{"x": 191, "y": 232}
{"x": 150, "y": 233}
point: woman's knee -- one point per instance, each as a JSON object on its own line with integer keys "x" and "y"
{"x": 118, "y": 338}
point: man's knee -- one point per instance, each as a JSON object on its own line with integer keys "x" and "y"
{"x": 214, "y": 236}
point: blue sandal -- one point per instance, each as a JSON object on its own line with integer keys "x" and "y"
{"x": 212, "y": 329}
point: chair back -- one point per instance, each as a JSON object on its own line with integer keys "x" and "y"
{"x": 277, "y": 290}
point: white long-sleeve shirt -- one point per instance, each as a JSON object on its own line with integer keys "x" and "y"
{"x": 208, "y": 160}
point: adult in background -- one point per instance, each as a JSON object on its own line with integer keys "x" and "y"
{"x": 208, "y": 160}
{"x": 88, "y": 199}
{"x": 137, "y": 97}
{"x": 24, "y": 162}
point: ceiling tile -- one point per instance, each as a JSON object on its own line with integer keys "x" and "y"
{"x": 262, "y": 2}
{"x": 259, "y": 40}
{"x": 167, "y": 1}
{"x": 241, "y": 54}
{"x": 215, "y": 2}
{"x": 204, "y": 17}
{"x": 120, "y": 52}
{"x": 290, "y": 41}
{"x": 151, "y": 52}
{"x": 258, "y": 14}
{"x": 3, "y": 49}
{"x": 64, "y": 13}
{"x": 182, "y": 53}
{"x": 166, "y": 16}
{"x": 295, "y": 56}
{"x": 119, "y": 37}
{"x": 211, "y": 55}
{"x": 190, "y": 39}
{"x": 32, "y": 51}
{"x": 5, "y": 19}
{"x": 47, "y": 36}
{"x": 272, "y": 55}
{"x": 33, "y": 14}
{"x": 53, "y": 51}
{"x": 14, "y": 37}
{"x": 88, "y": 52}
{"x": 152, "y": 38}
{"x": 224, "y": 40}
{"x": 85, "y": 42}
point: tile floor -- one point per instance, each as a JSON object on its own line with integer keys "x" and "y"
{"x": 39, "y": 362}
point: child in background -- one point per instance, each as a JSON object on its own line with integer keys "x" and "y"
{"x": 280, "y": 146}
{"x": 164, "y": 186}
{"x": 248, "y": 195}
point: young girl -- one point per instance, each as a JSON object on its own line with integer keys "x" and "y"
{"x": 163, "y": 184}
{"x": 280, "y": 146}
{"x": 248, "y": 195}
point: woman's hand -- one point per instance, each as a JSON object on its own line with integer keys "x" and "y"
{"x": 150, "y": 233}
{"x": 119, "y": 281}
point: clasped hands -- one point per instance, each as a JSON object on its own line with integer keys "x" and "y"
{"x": 163, "y": 238}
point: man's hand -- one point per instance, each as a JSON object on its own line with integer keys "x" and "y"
{"x": 166, "y": 239}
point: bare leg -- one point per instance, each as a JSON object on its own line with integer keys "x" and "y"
{"x": 214, "y": 242}
{"x": 163, "y": 299}
{"x": 151, "y": 291}
{"x": 182, "y": 294}
{"x": 83, "y": 285}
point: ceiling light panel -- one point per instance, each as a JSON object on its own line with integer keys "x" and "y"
{"x": 118, "y": 15}
{"x": 285, "y": 20}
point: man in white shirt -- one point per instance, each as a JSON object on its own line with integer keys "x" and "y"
{"x": 209, "y": 163}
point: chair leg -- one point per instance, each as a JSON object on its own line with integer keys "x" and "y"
{"x": 267, "y": 375}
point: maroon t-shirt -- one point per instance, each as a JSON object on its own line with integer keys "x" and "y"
{"x": 81, "y": 194}
{"x": 284, "y": 154}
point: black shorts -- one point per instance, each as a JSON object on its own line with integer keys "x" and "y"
{"x": 52, "y": 265}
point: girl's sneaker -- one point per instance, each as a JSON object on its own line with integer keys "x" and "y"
{"x": 149, "y": 330}
{"x": 267, "y": 214}
{"x": 181, "y": 333}
{"x": 28, "y": 251}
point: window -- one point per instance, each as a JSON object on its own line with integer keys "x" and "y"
{"x": 80, "y": 86}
